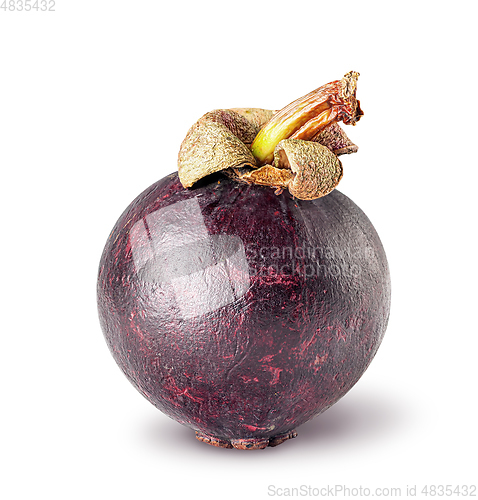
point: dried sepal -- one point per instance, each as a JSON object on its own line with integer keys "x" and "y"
{"x": 267, "y": 175}
{"x": 307, "y": 169}
{"x": 317, "y": 170}
{"x": 217, "y": 141}
{"x": 257, "y": 117}
{"x": 236, "y": 121}
{"x": 336, "y": 140}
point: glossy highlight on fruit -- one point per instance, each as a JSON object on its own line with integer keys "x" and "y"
{"x": 241, "y": 313}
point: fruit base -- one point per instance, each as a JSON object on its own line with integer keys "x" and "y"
{"x": 246, "y": 444}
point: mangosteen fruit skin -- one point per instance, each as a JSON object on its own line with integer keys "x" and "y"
{"x": 238, "y": 312}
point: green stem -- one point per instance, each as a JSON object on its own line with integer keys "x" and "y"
{"x": 307, "y": 116}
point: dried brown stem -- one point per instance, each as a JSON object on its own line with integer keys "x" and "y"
{"x": 307, "y": 116}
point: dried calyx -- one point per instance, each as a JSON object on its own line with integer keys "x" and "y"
{"x": 296, "y": 148}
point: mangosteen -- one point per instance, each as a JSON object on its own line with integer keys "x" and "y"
{"x": 239, "y": 310}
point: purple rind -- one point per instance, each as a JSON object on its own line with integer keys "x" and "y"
{"x": 223, "y": 333}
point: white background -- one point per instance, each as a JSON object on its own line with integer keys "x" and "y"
{"x": 95, "y": 100}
